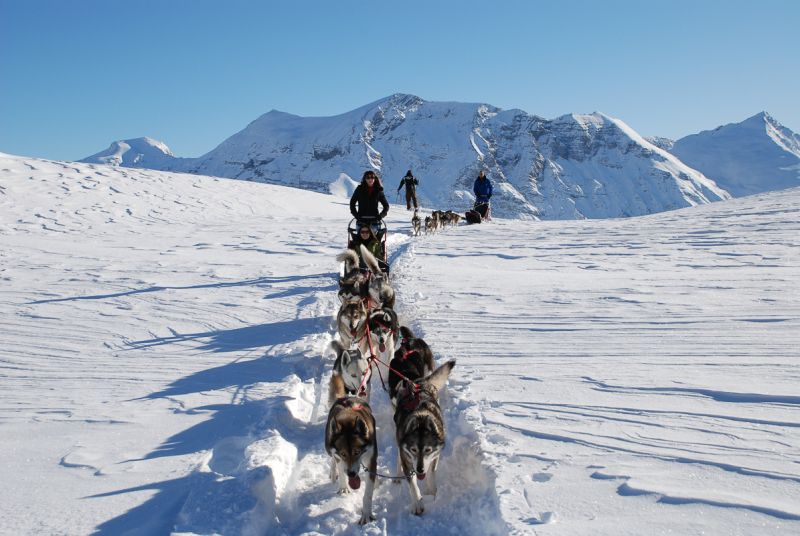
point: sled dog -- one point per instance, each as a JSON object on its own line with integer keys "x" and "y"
{"x": 415, "y": 223}
{"x": 383, "y": 329}
{"x": 354, "y": 369}
{"x": 352, "y": 285}
{"x": 350, "y": 440}
{"x": 429, "y": 225}
{"x": 419, "y": 429}
{"x": 451, "y": 217}
{"x": 413, "y": 359}
{"x": 350, "y": 321}
{"x": 380, "y": 292}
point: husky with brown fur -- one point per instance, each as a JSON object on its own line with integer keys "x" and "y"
{"x": 351, "y": 441}
{"x": 379, "y": 289}
{"x": 420, "y": 433}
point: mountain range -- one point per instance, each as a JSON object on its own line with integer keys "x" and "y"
{"x": 572, "y": 167}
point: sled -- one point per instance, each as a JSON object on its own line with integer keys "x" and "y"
{"x": 379, "y": 228}
{"x": 480, "y": 212}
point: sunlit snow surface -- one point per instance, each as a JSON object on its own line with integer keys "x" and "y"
{"x": 164, "y": 370}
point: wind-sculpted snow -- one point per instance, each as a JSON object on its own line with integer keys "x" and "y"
{"x": 631, "y": 376}
{"x": 164, "y": 368}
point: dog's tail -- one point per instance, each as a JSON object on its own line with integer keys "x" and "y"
{"x": 350, "y": 260}
{"x": 370, "y": 261}
{"x": 439, "y": 376}
{"x": 336, "y": 390}
{"x": 406, "y": 333}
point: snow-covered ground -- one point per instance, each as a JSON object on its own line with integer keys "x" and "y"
{"x": 162, "y": 355}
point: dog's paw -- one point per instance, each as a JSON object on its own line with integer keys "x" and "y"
{"x": 419, "y": 508}
{"x": 366, "y": 517}
{"x": 343, "y": 491}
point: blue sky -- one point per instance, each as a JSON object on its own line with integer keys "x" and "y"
{"x": 76, "y": 75}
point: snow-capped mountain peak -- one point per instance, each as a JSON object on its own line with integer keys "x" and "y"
{"x": 756, "y": 155}
{"x": 135, "y": 152}
{"x": 575, "y": 166}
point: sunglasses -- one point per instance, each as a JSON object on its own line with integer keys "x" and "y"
{"x": 370, "y": 178}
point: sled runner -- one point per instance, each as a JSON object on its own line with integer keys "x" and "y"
{"x": 379, "y": 228}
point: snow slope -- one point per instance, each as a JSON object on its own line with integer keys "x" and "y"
{"x": 573, "y": 167}
{"x": 164, "y": 367}
{"x": 757, "y": 155}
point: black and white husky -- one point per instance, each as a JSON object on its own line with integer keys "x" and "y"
{"x": 413, "y": 358}
{"x": 379, "y": 342}
{"x": 416, "y": 224}
{"x": 419, "y": 429}
{"x": 353, "y": 283}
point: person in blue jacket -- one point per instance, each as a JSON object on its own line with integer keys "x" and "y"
{"x": 483, "y": 193}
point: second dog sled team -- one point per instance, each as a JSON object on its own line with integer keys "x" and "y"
{"x": 370, "y": 336}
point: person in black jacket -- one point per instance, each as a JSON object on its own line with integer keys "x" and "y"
{"x": 410, "y": 182}
{"x": 367, "y": 196}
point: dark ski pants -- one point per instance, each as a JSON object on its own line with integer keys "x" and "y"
{"x": 411, "y": 195}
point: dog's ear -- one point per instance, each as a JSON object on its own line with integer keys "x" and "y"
{"x": 333, "y": 427}
{"x": 439, "y": 376}
{"x": 361, "y": 426}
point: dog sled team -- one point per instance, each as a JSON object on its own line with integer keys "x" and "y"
{"x": 371, "y": 339}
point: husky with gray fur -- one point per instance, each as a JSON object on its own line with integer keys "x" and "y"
{"x": 419, "y": 429}
{"x": 380, "y": 292}
{"x": 351, "y": 442}
{"x": 354, "y": 368}
{"x": 351, "y": 321}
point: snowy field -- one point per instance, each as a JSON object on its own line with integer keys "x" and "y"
{"x": 164, "y": 369}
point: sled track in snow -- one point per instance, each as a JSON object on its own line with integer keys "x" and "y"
{"x": 273, "y": 479}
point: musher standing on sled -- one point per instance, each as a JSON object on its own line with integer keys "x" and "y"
{"x": 410, "y": 182}
{"x": 483, "y": 193}
{"x": 367, "y": 196}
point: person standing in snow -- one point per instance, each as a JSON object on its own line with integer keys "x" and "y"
{"x": 410, "y": 182}
{"x": 366, "y": 197}
{"x": 483, "y": 193}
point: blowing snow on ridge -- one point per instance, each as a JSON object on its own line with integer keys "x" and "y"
{"x": 164, "y": 362}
